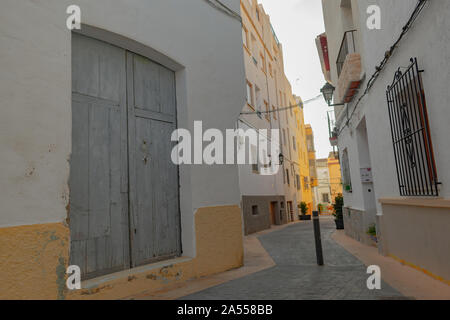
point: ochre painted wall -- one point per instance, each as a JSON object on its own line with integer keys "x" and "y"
{"x": 33, "y": 259}
{"x": 334, "y": 170}
{"x": 304, "y": 194}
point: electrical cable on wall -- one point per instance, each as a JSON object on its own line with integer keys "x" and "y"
{"x": 219, "y": 5}
{"x": 417, "y": 10}
{"x": 268, "y": 138}
{"x": 284, "y": 108}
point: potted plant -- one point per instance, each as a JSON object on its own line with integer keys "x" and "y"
{"x": 338, "y": 212}
{"x": 304, "y": 209}
{"x": 320, "y": 207}
{"x": 372, "y": 232}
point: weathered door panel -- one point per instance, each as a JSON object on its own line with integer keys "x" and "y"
{"x": 272, "y": 211}
{"x": 154, "y": 195}
{"x": 124, "y": 208}
{"x": 156, "y": 185}
{"x": 98, "y": 204}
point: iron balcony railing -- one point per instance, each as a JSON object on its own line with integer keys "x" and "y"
{"x": 332, "y": 128}
{"x": 347, "y": 46}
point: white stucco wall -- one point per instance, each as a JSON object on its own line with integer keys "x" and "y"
{"x": 430, "y": 44}
{"x": 411, "y": 229}
{"x": 35, "y": 95}
{"x": 252, "y": 184}
{"x": 324, "y": 183}
{"x": 337, "y": 21}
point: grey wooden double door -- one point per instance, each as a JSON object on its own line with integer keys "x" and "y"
{"x": 124, "y": 206}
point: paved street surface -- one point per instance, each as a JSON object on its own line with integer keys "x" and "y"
{"x": 296, "y": 274}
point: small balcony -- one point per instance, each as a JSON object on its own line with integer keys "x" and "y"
{"x": 332, "y": 128}
{"x": 349, "y": 68}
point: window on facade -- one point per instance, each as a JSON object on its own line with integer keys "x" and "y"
{"x": 287, "y": 177}
{"x": 250, "y": 99}
{"x": 266, "y": 105}
{"x": 258, "y": 98}
{"x": 286, "y": 104}
{"x": 253, "y": 48}
{"x": 294, "y": 143}
{"x": 297, "y": 178}
{"x": 254, "y": 159}
{"x": 245, "y": 36}
{"x": 266, "y": 159}
{"x": 305, "y": 183}
{"x": 263, "y": 63}
{"x": 325, "y": 197}
{"x": 270, "y": 70}
{"x": 257, "y": 14}
{"x": 255, "y": 210}
{"x": 411, "y": 136}
{"x": 310, "y": 143}
{"x": 346, "y": 172}
{"x": 288, "y": 142}
{"x": 274, "y": 113}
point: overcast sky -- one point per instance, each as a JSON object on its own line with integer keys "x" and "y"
{"x": 297, "y": 23}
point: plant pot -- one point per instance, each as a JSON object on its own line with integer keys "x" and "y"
{"x": 305, "y": 217}
{"x": 339, "y": 224}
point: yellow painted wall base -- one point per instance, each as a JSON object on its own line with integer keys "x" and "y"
{"x": 428, "y": 273}
{"x": 33, "y": 260}
{"x": 219, "y": 239}
{"x": 220, "y": 248}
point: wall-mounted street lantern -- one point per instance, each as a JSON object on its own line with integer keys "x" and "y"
{"x": 327, "y": 92}
{"x": 281, "y": 158}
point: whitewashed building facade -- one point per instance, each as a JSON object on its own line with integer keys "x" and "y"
{"x": 392, "y": 127}
{"x": 86, "y": 117}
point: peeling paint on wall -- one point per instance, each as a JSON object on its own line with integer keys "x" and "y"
{"x": 219, "y": 248}
{"x": 33, "y": 261}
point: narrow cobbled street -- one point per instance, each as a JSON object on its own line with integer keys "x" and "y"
{"x": 296, "y": 274}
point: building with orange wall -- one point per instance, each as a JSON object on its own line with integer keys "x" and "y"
{"x": 304, "y": 183}
{"x": 312, "y": 163}
{"x": 334, "y": 170}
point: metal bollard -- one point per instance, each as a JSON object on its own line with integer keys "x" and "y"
{"x": 319, "y": 252}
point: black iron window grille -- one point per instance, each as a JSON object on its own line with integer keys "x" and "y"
{"x": 413, "y": 149}
{"x": 346, "y": 177}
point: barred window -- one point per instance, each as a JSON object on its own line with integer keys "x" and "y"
{"x": 346, "y": 172}
{"x": 413, "y": 148}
